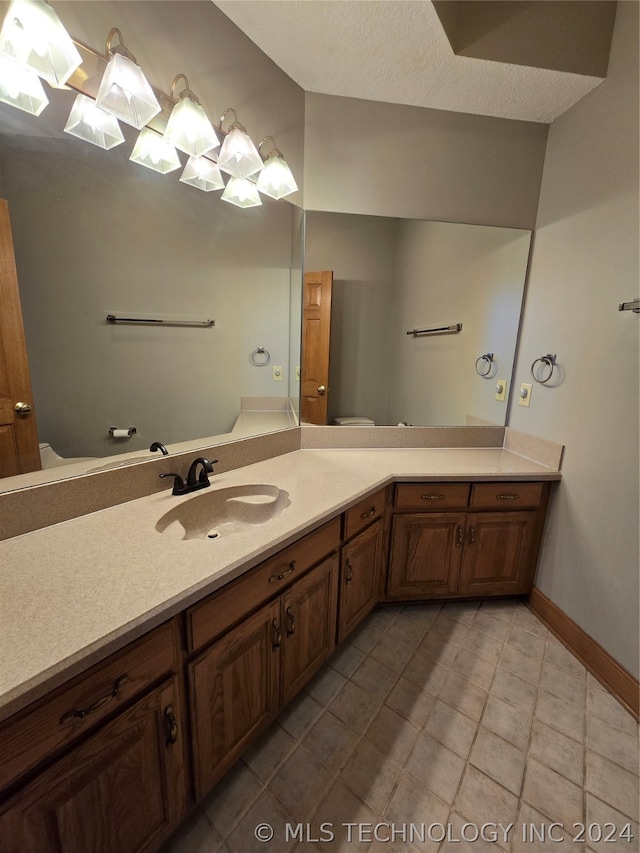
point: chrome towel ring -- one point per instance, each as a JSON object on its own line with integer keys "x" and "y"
{"x": 547, "y": 361}
{"x": 260, "y": 357}
{"x": 483, "y": 361}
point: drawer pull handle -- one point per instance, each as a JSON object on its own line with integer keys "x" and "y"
{"x": 277, "y": 634}
{"x": 460, "y": 536}
{"x": 283, "y": 575}
{"x": 172, "y": 725}
{"x": 369, "y": 514}
{"x": 292, "y": 622}
{"x": 432, "y": 497}
{"x": 472, "y": 535}
{"x": 348, "y": 575}
{"x": 98, "y": 704}
{"x": 507, "y": 497}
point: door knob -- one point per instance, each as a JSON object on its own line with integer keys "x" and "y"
{"x": 22, "y": 408}
{"x": 321, "y": 390}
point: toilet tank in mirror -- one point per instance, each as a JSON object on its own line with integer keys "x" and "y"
{"x": 392, "y": 276}
{"x": 96, "y": 235}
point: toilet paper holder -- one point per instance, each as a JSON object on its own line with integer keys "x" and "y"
{"x": 115, "y": 432}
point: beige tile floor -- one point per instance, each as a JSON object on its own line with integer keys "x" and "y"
{"x": 436, "y": 720}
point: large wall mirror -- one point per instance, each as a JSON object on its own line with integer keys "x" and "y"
{"x": 391, "y": 276}
{"x": 95, "y": 234}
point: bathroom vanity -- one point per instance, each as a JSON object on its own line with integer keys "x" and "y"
{"x": 120, "y": 717}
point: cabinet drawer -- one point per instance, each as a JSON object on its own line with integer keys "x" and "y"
{"x": 77, "y": 706}
{"x": 363, "y": 513}
{"x": 211, "y": 617}
{"x": 432, "y": 497}
{"x": 506, "y": 495}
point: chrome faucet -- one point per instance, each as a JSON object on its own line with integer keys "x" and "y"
{"x": 180, "y": 487}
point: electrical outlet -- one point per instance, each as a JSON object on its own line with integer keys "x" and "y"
{"x": 501, "y": 389}
{"x": 277, "y": 373}
{"x": 524, "y": 397}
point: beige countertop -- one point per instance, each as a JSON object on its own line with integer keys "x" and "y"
{"x": 72, "y": 593}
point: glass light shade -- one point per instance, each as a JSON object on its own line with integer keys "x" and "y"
{"x": 125, "y": 92}
{"x": 203, "y": 174}
{"x": 33, "y": 35}
{"x": 190, "y": 130}
{"x": 275, "y": 179}
{"x": 241, "y": 192}
{"x": 87, "y": 121}
{"x": 154, "y": 152}
{"x": 238, "y": 155}
{"x": 21, "y": 88}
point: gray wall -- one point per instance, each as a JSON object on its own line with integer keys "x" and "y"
{"x": 392, "y": 160}
{"x": 446, "y": 274}
{"x": 585, "y": 261}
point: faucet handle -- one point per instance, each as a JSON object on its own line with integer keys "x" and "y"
{"x": 178, "y": 482}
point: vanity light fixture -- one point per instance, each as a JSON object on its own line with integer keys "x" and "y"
{"x": 188, "y": 127}
{"x": 242, "y": 192}
{"x": 238, "y": 155}
{"x": 154, "y": 152}
{"x": 275, "y": 179}
{"x": 124, "y": 90}
{"x": 33, "y": 36}
{"x": 202, "y": 173}
{"x": 87, "y": 121}
{"x": 21, "y": 88}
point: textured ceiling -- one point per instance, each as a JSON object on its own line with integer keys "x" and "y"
{"x": 397, "y": 51}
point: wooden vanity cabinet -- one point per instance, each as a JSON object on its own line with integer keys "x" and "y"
{"x": 471, "y": 552}
{"x": 361, "y": 561}
{"x": 239, "y": 684}
{"x": 121, "y": 787}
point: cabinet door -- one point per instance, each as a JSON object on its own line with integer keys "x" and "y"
{"x": 234, "y": 689}
{"x": 499, "y": 558}
{"x": 309, "y": 612}
{"x": 121, "y": 791}
{"x": 426, "y": 552}
{"x": 359, "y": 578}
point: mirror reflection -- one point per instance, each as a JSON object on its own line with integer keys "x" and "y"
{"x": 391, "y": 276}
{"x": 94, "y": 235}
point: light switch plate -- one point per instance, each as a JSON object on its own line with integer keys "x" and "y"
{"x": 524, "y": 397}
{"x": 298, "y": 374}
{"x": 277, "y": 373}
{"x": 501, "y": 389}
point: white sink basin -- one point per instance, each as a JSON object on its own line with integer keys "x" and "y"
{"x": 221, "y": 512}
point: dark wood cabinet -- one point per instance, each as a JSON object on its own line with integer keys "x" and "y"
{"x": 359, "y": 574}
{"x": 465, "y": 554}
{"x": 120, "y": 791}
{"x": 234, "y": 691}
{"x": 308, "y": 612}
{"x": 238, "y": 684}
{"x": 426, "y": 555}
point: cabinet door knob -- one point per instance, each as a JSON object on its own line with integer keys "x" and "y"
{"x": 432, "y": 497}
{"x": 277, "y": 634}
{"x": 507, "y": 497}
{"x": 22, "y": 409}
{"x": 460, "y": 536}
{"x": 472, "y": 535}
{"x": 292, "y": 622}
{"x": 172, "y": 725}
{"x": 282, "y": 575}
{"x": 348, "y": 575}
